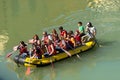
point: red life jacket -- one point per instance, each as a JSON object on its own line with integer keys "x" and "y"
{"x": 50, "y": 49}
{"x": 78, "y": 38}
{"x": 23, "y": 50}
{"x": 45, "y": 39}
{"x": 62, "y": 33}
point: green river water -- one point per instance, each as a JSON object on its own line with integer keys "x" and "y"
{"x": 21, "y": 19}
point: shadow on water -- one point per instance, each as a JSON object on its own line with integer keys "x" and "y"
{"x": 2, "y": 79}
{"x": 107, "y": 43}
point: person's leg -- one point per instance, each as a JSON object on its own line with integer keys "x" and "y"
{"x": 59, "y": 49}
{"x": 46, "y": 54}
{"x": 24, "y": 55}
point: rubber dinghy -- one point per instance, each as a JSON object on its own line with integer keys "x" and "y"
{"x": 46, "y": 61}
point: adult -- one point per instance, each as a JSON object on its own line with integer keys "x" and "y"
{"x": 37, "y": 53}
{"x": 63, "y": 33}
{"x": 50, "y": 49}
{"x": 70, "y": 41}
{"x": 54, "y": 35}
{"x": 46, "y": 37}
{"x": 35, "y": 41}
{"x": 90, "y": 28}
{"x": 90, "y": 33}
{"x": 23, "y": 52}
{"x": 77, "y": 38}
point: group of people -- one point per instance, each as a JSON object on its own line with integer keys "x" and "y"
{"x": 55, "y": 43}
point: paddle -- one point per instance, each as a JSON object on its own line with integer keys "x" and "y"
{"x": 97, "y": 42}
{"x": 14, "y": 49}
{"x": 73, "y": 50}
{"x": 66, "y": 52}
{"x": 9, "y": 54}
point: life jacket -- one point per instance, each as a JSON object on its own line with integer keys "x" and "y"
{"x": 55, "y": 37}
{"x": 50, "y": 49}
{"x": 45, "y": 39}
{"x": 78, "y": 38}
{"x": 62, "y": 33}
{"x": 22, "y": 50}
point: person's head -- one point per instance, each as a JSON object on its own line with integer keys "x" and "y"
{"x": 79, "y": 23}
{"x": 69, "y": 35}
{"x": 71, "y": 32}
{"x": 89, "y": 24}
{"x": 45, "y": 33}
{"x": 54, "y": 31}
{"x": 22, "y": 43}
{"x": 35, "y": 37}
{"x": 60, "y": 28}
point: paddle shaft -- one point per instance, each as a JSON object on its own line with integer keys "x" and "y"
{"x": 9, "y": 54}
{"x": 66, "y": 52}
{"x": 73, "y": 50}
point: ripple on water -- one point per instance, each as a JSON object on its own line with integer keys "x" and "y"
{"x": 104, "y": 5}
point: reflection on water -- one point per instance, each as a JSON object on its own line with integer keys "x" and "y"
{"x": 104, "y": 5}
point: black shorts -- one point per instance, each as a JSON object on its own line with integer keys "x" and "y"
{"x": 82, "y": 34}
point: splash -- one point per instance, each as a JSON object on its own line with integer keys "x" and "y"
{"x": 104, "y": 5}
{"x": 3, "y": 40}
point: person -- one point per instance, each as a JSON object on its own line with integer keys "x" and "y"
{"x": 54, "y": 35}
{"x": 81, "y": 29}
{"x": 35, "y": 41}
{"x": 50, "y": 49}
{"x": 77, "y": 38}
{"x": 91, "y": 28}
{"x": 37, "y": 53}
{"x": 70, "y": 41}
{"x": 23, "y": 52}
{"x": 61, "y": 45}
{"x": 71, "y": 32}
{"x": 46, "y": 37}
{"x": 63, "y": 33}
{"x": 90, "y": 33}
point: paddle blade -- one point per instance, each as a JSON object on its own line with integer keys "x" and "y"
{"x": 27, "y": 71}
{"x": 78, "y": 56}
{"x": 8, "y": 55}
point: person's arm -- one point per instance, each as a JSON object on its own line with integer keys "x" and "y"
{"x": 65, "y": 34}
{"x": 15, "y": 48}
{"x": 52, "y": 47}
{"x": 34, "y": 55}
{"x": 74, "y": 42}
{"x": 94, "y": 32}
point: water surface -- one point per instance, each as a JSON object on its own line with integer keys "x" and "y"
{"x": 21, "y": 19}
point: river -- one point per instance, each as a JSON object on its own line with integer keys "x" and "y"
{"x": 21, "y": 19}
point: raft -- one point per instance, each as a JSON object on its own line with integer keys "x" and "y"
{"x": 28, "y": 62}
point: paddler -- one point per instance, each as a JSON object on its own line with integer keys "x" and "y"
{"x": 23, "y": 52}
{"x": 81, "y": 29}
{"x": 63, "y": 33}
